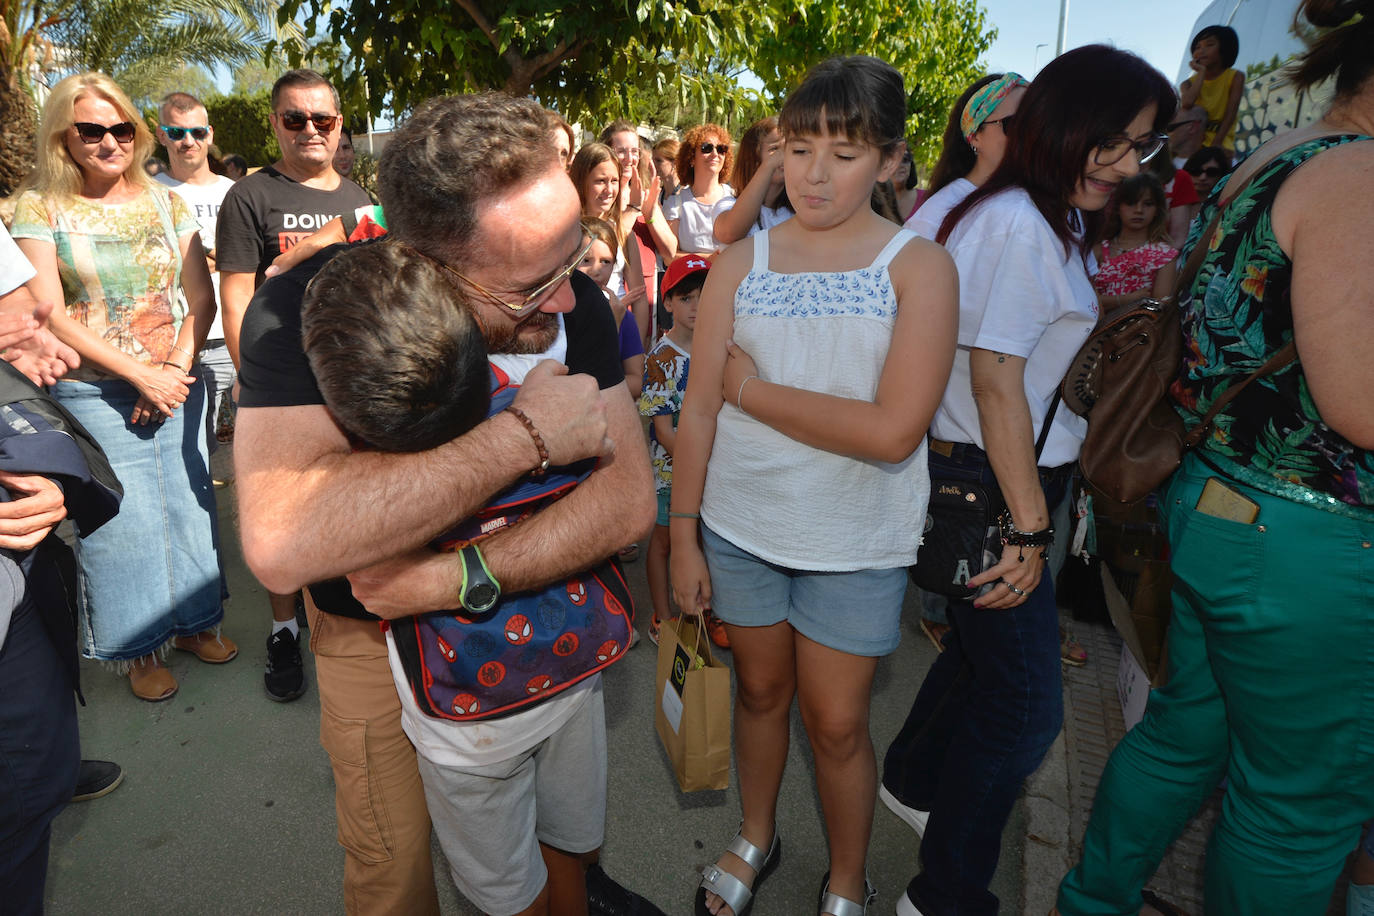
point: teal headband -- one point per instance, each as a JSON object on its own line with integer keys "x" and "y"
{"x": 985, "y": 101}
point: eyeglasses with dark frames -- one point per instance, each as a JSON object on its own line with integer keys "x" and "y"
{"x": 534, "y": 299}
{"x": 90, "y": 132}
{"x": 175, "y": 134}
{"x": 1004, "y": 121}
{"x": 1113, "y": 149}
{"x": 720, "y": 148}
{"x": 295, "y": 120}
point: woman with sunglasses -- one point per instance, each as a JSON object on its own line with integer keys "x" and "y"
{"x": 1270, "y": 522}
{"x": 703, "y": 157}
{"x": 1207, "y": 167}
{"x": 992, "y": 703}
{"x": 118, "y": 250}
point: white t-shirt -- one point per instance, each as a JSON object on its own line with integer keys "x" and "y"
{"x": 926, "y": 221}
{"x": 696, "y": 221}
{"x": 458, "y": 744}
{"x": 1019, "y": 293}
{"x": 204, "y": 201}
{"x": 768, "y": 217}
{"x": 15, "y": 269}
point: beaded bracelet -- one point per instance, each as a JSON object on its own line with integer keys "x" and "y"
{"x": 538, "y": 440}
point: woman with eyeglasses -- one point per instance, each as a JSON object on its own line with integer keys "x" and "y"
{"x": 704, "y": 158}
{"x": 1207, "y": 167}
{"x": 118, "y": 250}
{"x": 992, "y": 703}
{"x": 1270, "y": 521}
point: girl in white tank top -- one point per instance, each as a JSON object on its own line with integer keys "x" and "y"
{"x": 822, "y": 348}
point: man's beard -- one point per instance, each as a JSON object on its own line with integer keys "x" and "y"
{"x": 533, "y": 335}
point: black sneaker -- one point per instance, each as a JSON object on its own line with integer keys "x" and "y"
{"x": 607, "y": 898}
{"x": 96, "y": 778}
{"x": 285, "y": 676}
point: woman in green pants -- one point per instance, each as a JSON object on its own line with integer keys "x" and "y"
{"x": 1271, "y": 524}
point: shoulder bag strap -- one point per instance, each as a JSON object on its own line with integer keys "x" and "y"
{"x": 1276, "y": 362}
{"x": 1045, "y": 428}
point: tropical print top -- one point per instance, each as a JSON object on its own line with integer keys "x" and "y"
{"x": 1237, "y": 315}
{"x": 1131, "y": 271}
{"x": 120, "y": 271}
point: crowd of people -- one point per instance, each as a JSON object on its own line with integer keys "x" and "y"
{"x": 439, "y": 406}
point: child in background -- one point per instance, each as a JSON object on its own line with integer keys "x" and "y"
{"x": 598, "y": 263}
{"x": 762, "y": 200}
{"x": 1136, "y": 261}
{"x": 665, "y": 383}
{"x": 1214, "y": 85}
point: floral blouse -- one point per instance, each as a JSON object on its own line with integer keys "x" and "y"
{"x": 1238, "y": 315}
{"x": 1132, "y": 270}
{"x": 120, "y": 271}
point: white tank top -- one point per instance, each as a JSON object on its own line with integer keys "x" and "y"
{"x": 789, "y": 503}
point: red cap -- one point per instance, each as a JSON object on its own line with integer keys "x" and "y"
{"x": 682, "y": 268}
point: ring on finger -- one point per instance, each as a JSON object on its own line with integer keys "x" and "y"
{"x": 1020, "y": 593}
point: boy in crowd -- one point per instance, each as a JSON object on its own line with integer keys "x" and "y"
{"x": 665, "y": 383}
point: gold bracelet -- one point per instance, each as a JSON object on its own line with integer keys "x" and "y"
{"x": 187, "y": 352}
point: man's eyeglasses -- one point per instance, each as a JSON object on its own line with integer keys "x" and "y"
{"x": 1212, "y": 171}
{"x": 1005, "y": 122}
{"x": 534, "y": 299}
{"x": 90, "y": 132}
{"x": 176, "y": 134}
{"x": 1114, "y": 149}
{"x": 295, "y": 120}
{"x": 720, "y": 148}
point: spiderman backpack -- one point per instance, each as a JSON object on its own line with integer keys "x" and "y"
{"x": 533, "y": 644}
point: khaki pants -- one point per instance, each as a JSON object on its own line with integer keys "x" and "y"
{"x": 380, "y": 803}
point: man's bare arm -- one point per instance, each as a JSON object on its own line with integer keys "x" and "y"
{"x": 613, "y": 507}
{"x": 235, "y": 292}
{"x": 310, "y": 508}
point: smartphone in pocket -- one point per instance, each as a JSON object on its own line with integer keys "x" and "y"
{"x": 1222, "y": 501}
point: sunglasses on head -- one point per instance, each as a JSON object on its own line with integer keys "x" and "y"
{"x": 720, "y": 148}
{"x": 176, "y": 134}
{"x": 1211, "y": 171}
{"x": 90, "y": 132}
{"x": 295, "y": 120}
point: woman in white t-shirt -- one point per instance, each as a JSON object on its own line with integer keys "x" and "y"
{"x": 762, "y": 201}
{"x": 703, "y": 159}
{"x": 991, "y": 704}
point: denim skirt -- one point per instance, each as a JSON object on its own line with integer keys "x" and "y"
{"x": 153, "y": 571}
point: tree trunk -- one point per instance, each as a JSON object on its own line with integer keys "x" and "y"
{"x": 18, "y": 122}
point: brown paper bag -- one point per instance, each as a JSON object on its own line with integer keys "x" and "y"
{"x": 692, "y": 706}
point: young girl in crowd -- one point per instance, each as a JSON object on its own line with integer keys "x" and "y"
{"x": 992, "y": 703}
{"x": 762, "y": 200}
{"x": 800, "y": 464}
{"x": 1136, "y": 260}
{"x": 906, "y": 181}
{"x": 1215, "y": 85}
{"x": 595, "y": 172}
{"x": 704, "y": 158}
{"x": 598, "y": 263}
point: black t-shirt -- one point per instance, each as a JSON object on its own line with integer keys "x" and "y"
{"x": 274, "y": 371}
{"x": 267, "y": 213}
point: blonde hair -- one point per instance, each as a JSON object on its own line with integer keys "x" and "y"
{"x": 56, "y": 175}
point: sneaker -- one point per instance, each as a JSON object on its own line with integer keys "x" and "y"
{"x": 96, "y": 778}
{"x": 607, "y": 898}
{"x": 1071, "y": 651}
{"x": 654, "y": 624}
{"x": 715, "y": 628}
{"x": 914, "y": 818}
{"x": 285, "y": 676}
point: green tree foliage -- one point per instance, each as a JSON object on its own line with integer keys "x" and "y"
{"x": 241, "y": 126}
{"x": 936, "y": 44}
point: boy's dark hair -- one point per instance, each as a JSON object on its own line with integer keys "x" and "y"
{"x": 687, "y": 285}
{"x": 1228, "y": 42}
{"x": 861, "y": 97}
{"x": 1079, "y": 99}
{"x": 398, "y": 356}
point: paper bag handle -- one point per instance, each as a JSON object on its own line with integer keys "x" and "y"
{"x": 701, "y": 625}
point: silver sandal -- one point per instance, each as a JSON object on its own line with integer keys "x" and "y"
{"x": 738, "y": 896}
{"x": 835, "y": 905}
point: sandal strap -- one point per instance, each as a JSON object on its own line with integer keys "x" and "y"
{"x": 750, "y": 854}
{"x": 836, "y": 905}
{"x": 727, "y": 887}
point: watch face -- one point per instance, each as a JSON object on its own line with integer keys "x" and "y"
{"x": 481, "y": 597}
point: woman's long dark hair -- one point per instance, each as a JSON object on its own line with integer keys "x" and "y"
{"x": 1078, "y": 100}
{"x": 956, "y": 155}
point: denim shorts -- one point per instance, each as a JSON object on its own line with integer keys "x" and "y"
{"x": 855, "y": 612}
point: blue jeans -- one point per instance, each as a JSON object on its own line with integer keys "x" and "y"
{"x": 152, "y": 572}
{"x": 989, "y": 709}
{"x": 39, "y": 757}
{"x": 218, "y": 369}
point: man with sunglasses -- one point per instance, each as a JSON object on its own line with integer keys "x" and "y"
{"x": 185, "y": 132}
{"x": 473, "y": 185}
{"x": 262, "y": 216}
